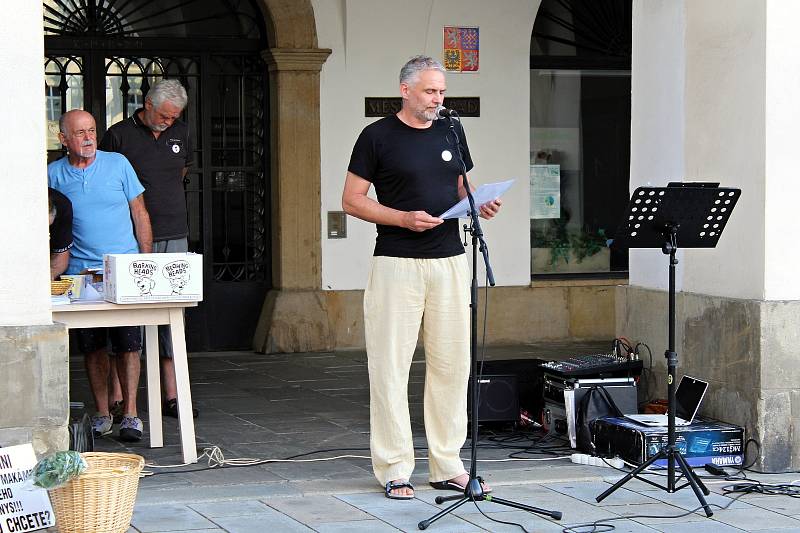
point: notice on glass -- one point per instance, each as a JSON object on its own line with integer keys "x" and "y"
{"x": 485, "y": 193}
{"x": 545, "y": 191}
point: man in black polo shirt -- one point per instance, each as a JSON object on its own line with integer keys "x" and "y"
{"x": 157, "y": 144}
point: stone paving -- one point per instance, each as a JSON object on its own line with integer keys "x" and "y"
{"x": 278, "y": 406}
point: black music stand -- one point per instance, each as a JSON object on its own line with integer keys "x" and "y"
{"x": 655, "y": 218}
{"x": 473, "y": 491}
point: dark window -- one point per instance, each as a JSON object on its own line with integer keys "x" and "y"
{"x": 580, "y": 134}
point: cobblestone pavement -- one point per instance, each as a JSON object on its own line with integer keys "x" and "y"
{"x": 315, "y": 406}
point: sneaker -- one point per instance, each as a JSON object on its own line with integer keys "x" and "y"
{"x": 117, "y": 412}
{"x": 101, "y": 425}
{"x": 130, "y": 429}
{"x": 171, "y": 409}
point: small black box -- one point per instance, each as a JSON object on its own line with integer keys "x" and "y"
{"x": 498, "y": 398}
{"x": 703, "y": 441}
{"x": 530, "y": 382}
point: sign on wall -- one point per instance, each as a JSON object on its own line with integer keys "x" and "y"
{"x": 375, "y": 106}
{"x": 545, "y": 191}
{"x": 461, "y": 49}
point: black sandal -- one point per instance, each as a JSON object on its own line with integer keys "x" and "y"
{"x": 451, "y": 485}
{"x": 394, "y": 485}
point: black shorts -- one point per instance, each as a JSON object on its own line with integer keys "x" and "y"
{"x": 123, "y": 339}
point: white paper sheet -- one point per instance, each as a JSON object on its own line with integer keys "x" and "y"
{"x": 29, "y": 508}
{"x": 569, "y": 409}
{"x": 485, "y": 193}
{"x": 59, "y": 299}
{"x": 91, "y": 292}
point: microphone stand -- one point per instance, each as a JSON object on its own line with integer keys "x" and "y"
{"x": 473, "y": 491}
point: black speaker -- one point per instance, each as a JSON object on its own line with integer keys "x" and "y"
{"x": 498, "y": 398}
{"x": 530, "y": 381}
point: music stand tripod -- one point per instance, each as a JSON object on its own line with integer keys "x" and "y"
{"x": 656, "y": 217}
{"x": 473, "y": 491}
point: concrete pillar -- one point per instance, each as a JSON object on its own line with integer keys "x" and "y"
{"x": 714, "y": 99}
{"x": 294, "y": 316}
{"x": 34, "y": 387}
{"x": 33, "y": 360}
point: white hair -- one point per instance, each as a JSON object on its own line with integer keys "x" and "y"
{"x": 168, "y": 91}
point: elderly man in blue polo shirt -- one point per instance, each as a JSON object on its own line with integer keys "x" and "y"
{"x": 108, "y": 216}
{"x": 156, "y": 142}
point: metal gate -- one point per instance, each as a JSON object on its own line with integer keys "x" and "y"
{"x": 103, "y": 56}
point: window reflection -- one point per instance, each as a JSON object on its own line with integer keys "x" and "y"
{"x": 63, "y": 92}
{"x": 580, "y": 134}
{"x": 127, "y": 82}
{"x": 580, "y": 138}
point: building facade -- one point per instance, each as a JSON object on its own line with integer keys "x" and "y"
{"x": 711, "y": 100}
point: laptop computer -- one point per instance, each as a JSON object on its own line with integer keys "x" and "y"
{"x": 688, "y": 397}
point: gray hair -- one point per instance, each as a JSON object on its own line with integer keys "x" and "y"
{"x": 411, "y": 70}
{"x": 168, "y": 91}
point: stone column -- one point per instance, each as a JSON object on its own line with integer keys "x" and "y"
{"x": 34, "y": 370}
{"x": 34, "y": 386}
{"x": 714, "y": 86}
{"x": 293, "y": 317}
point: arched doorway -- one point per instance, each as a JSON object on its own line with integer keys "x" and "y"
{"x": 103, "y": 55}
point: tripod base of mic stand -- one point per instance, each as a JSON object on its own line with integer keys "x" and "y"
{"x": 672, "y": 456}
{"x": 474, "y": 492}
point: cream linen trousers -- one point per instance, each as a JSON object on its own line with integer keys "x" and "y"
{"x": 401, "y": 293}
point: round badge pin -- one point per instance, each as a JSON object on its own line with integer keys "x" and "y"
{"x": 446, "y": 155}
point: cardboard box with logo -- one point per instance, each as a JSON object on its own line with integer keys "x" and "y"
{"x": 135, "y": 278}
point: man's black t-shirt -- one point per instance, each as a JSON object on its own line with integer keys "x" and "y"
{"x": 159, "y": 164}
{"x": 412, "y": 170}
{"x": 61, "y": 228}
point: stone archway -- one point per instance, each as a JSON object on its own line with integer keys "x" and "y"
{"x": 293, "y": 317}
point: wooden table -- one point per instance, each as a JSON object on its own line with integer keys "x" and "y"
{"x": 149, "y": 315}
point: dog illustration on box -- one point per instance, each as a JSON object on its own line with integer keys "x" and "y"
{"x": 142, "y": 272}
{"x": 178, "y": 275}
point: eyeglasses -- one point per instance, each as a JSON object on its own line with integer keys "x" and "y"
{"x": 91, "y": 132}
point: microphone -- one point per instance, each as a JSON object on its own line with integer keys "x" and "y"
{"x": 443, "y": 112}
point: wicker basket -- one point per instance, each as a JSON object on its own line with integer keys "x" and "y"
{"x": 101, "y": 499}
{"x": 60, "y": 287}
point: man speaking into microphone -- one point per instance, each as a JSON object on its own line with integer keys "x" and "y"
{"x": 419, "y": 269}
